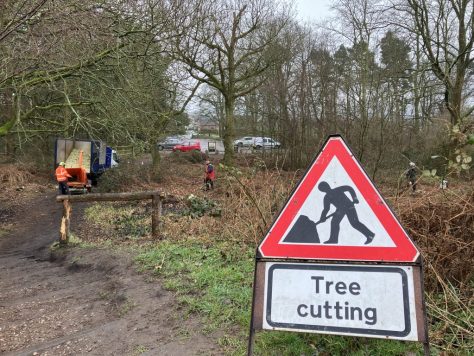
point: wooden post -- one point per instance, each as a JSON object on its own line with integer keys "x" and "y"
{"x": 155, "y": 215}
{"x": 65, "y": 223}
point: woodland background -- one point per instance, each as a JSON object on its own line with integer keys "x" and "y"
{"x": 394, "y": 77}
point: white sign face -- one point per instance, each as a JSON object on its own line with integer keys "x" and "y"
{"x": 360, "y": 300}
{"x": 354, "y": 226}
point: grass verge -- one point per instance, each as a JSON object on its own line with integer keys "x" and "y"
{"x": 215, "y": 281}
{"x": 209, "y": 261}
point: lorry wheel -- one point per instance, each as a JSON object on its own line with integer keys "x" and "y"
{"x": 160, "y": 148}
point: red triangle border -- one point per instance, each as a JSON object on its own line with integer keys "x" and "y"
{"x": 404, "y": 250}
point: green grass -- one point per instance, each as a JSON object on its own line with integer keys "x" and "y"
{"x": 216, "y": 282}
{"x": 139, "y": 349}
{"x": 4, "y": 230}
{"x": 127, "y": 306}
{"x": 123, "y": 222}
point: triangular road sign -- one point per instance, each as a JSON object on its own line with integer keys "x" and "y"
{"x": 336, "y": 213}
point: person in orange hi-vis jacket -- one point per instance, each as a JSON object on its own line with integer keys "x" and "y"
{"x": 61, "y": 176}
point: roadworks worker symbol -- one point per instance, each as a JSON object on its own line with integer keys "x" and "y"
{"x": 343, "y": 199}
{"x": 336, "y": 213}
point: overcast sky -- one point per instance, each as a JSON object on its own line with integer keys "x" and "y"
{"x": 313, "y": 10}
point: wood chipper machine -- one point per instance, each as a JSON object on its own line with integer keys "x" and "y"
{"x": 79, "y": 183}
{"x": 86, "y": 161}
{"x": 77, "y": 156}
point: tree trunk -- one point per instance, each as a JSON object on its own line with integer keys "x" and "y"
{"x": 156, "y": 215}
{"x": 455, "y": 100}
{"x": 155, "y": 161}
{"x": 416, "y": 86}
{"x": 229, "y": 132}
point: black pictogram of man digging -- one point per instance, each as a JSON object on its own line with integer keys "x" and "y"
{"x": 304, "y": 230}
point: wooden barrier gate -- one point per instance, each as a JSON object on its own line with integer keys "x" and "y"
{"x": 156, "y": 203}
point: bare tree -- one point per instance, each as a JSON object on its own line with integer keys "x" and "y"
{"x": 226, "y": 45}
{"x": 360, "y": 22}
{"x": 446, "y": 31}
{"x": 86, "y": 69}
{"x": 14, "y": 14}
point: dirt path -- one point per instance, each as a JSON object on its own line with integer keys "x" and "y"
{"x": 83, "y": 301}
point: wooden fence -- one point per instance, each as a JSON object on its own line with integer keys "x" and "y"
{"x": 156, "y": 203}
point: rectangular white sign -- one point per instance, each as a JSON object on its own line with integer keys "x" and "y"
{"x": 362, "y": 300}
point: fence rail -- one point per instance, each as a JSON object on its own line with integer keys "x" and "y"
{"x": 67, "y": 200}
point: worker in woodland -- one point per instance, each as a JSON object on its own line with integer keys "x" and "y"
{"x": 344, "y": 207}
{"x": 410, "y": 174}
{"x": 210, "y": 175}
{"x": 61, "y": 176}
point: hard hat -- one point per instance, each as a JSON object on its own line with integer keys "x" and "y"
{"x": 412, "y": 164}
{"x": 62, "y": 164}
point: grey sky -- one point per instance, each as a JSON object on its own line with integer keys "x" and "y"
{"x": 313, "y": 10}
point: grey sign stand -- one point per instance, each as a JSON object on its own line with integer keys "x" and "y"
{"x": 262, "y": 284}
{"x": 295, "y": 269}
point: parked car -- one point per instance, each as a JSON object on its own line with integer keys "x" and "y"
{"x": 189, "y": 146}
{"x": 266, "y": 142}
{"x": 169, "y": 143}
{"x": 245, "y": 141}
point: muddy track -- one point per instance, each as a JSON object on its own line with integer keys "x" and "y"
{"x": 84, "y": 301}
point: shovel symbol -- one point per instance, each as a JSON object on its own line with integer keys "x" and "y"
{"x": 304, "y": 231}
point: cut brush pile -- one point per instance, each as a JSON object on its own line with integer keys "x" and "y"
{"x": 442, "y": 225}
{"x": 14, "y": 176}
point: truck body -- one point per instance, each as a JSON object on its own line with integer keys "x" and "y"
{"x": 85, "y": 160}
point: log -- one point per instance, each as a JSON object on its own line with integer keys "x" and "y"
{"x": 108, "y": 196}
{"x": 156, "y": 215}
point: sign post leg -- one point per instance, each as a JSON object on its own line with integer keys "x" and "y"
{"x": 426, "y": 343}
{"x": 257, "y": 303}
{"x": 251, "y": 341}
{"x": 252, "y": 329}
{"x": 426, "y": 348}
{"x": 422, "y": 321}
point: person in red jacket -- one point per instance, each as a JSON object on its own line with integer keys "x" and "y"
{"x": 210, "y": 176}
{"x": 61, "y": 176}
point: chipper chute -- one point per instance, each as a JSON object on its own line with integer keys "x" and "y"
{"x": 74, "y": 166}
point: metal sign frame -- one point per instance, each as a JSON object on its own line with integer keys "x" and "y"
{"x": 258, "y": 302}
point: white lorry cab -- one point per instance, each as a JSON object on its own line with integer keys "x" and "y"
{"x": 114, "y": 159}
